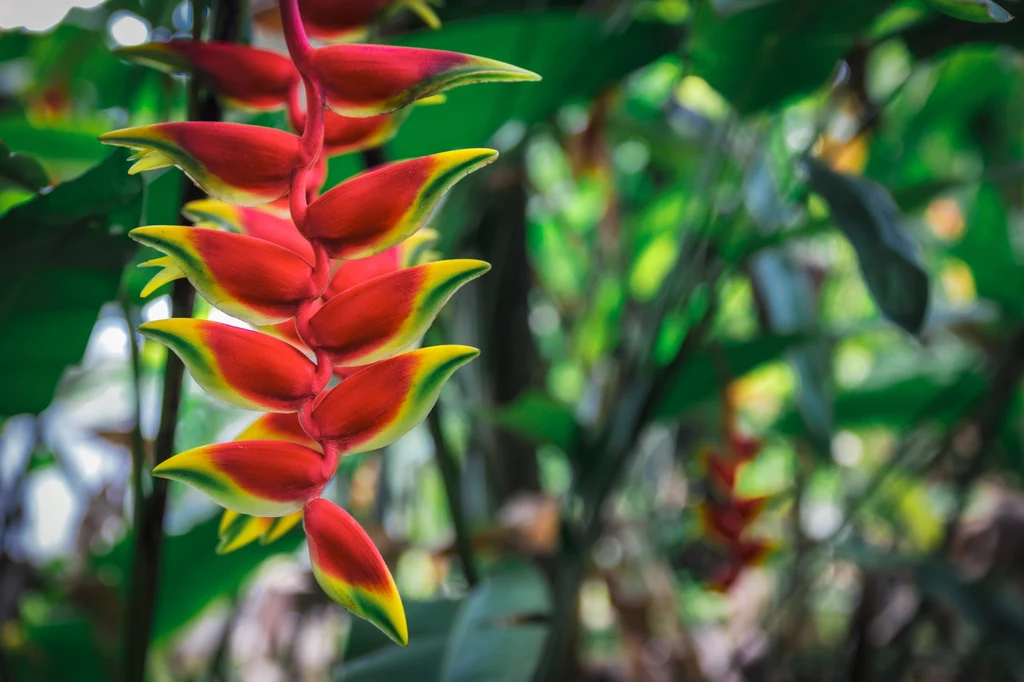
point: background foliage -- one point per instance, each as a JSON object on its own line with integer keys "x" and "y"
{"x": 788, "y": 220}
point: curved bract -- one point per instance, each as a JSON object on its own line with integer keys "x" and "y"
{"x": 254, "y": 222}
{"x": 239, "y": 366}
{"x": 366, "y": 80}
{"x": 257, "y": 477}
{"x": 381, "y": 403}
{"x": 385, "y": 315}
{"x": 243, "y": 164}
{"x": 245, "y": 76}
{"x": 378, "y": 209}
{"x": 350, "y": 570}
{"x": 246, "y": 277}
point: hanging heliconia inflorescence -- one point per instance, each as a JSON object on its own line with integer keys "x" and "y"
{"x": 727, "y": 516}
{"x": 331, "y": 282}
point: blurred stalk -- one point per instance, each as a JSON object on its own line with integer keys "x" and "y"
{"x": 150, "y": 510}
{"x": 449, "y": 469}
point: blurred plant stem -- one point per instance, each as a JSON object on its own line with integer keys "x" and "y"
{"x": 150, "y": 509}
{"x": 450, "y": 476}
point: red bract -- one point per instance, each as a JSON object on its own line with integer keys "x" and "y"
{"x": 245, "y": 76}
{"x": 378, "y": 209}
{"x": 345, "y": 20}
{"x": 364, "y": 80}
{"x": 242, "y": 164}
{"x": 272, "y": 266}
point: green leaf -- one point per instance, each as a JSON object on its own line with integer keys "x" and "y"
{"x": 765, "y": 55}
{"x": 540, "y": 419}
{"x": 59, "y": 649}
{"x": 420, "y": 661}
{"x": 936, "y": 395}
{"x": 61, "y": 257}
{"x": 489, "y": 641}
{"x": 698, "y": 379}
{"x": 425, "y": 619}
{"x": 507, "y": 654}
{"x": 987, "y": 249}
{"x": 192, "y": 575}
{"x": 889, "y": 259}
{"x": 21, "y": 171}
{"x": 978, "y": 11}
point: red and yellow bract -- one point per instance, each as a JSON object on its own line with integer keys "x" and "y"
{"x": 333, "y": 275}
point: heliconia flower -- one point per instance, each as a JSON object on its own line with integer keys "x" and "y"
{"x": 243, "y": 164}
{"x": 728, "y": 522}
{"x": 378, "y": 209}
{"x": 379, "y": 404}
{"x": 350, "y": 570}
{"x": 244, "y": 76}
{"x": 249, "y": 278}
{"x": 346, "y": 20}
{"x": 254, "y": 477}
{"x": 366, "y": 80}
{"x": 348, "y": 273}
{"x": 238, "y": 530}
{"x": 239, "y": 366}
{"x": 741, "y": 556}
{"x": 255, "y": 222}
{"x": 279, "y": 426}
{"x": 387, "y": 314}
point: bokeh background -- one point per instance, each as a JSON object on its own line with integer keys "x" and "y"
{"x": 785, "y": 234}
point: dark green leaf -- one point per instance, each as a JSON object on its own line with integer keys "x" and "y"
{"x": 765, "y": 55}
{"x": 193, "y": 575}
{"x": 698, "y": 380}
{"x": 489, "y": 642}
{"x": 978, "y": 11}
{"x": 21, "y": 171}
{"x": 420, "y": 661}
{"x": 62, "y": 255}
{"x": 992, "y": 256}
{"x": 425, "y": 619}
{"x": 540, "y": 419}
{"x": 888, "y": 257}
{"x": 507, "y": 654}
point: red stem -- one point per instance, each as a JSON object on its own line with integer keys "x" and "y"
{"x": 312, "y": 127}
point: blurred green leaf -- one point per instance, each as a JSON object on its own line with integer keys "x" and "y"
{"x": 62, "y": 257}
{"x": 20, "y": 171}
{"x": 889, "y": 259}
{"x": 979, "y": 11}
{"x": 489, "y": 642}
{"x": 58, "y": 650}
{"x": 420, "y": 661}
{"x": 192, "y": 575}
{"x": 425, "y": 619}
{"x": 698, "y": 380}
{"x": 937, "y": 395}
{"x": 540, "y": 419}
{"x": 987, "y": 249}
{"x": 765, "y": 55}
